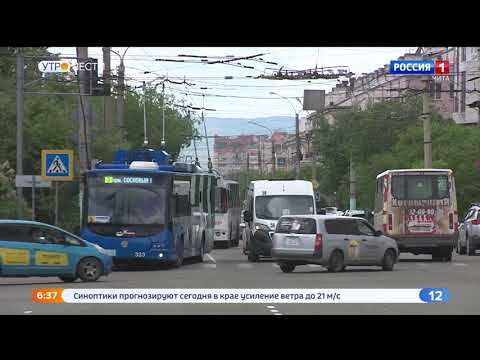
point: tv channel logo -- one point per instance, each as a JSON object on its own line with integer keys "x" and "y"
{"x": 59, "y": 66}
{"x": 54, "y": 66}
{"x": 419, "y": 67}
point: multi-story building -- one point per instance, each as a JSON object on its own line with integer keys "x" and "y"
{"x": 454, "y": 96}
{"x": 466, "y": 83}
{"x": 237, "y": 153}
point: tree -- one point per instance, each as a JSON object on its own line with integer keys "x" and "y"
{"x": 179, "y": 128}
{"x": 51, "y": 122}
{"x": 359, "y": 135}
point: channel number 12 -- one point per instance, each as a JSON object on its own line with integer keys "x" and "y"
{"x": 435, "y": 295}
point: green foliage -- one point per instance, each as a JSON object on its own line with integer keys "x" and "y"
{"x": 389, "y": 135}
{"x": 359, "y": 135}
{"x": 178, "y": 127}
{"x": 51, "y": 122}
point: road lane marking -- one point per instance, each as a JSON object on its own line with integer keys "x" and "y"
{"x": 274, "y": 311}
{"x": 210, "y": 266}
{"x": 245, "y": 266}
{"x": 315, "y": 266}
{"x": 277, "y": 314}
{"x": 459, "y": 264}
{"x": 27, "y": 311}
{"x": 211, "y": 258}
{"x": 270, "y": 307}
{"x": 276, "y": 266}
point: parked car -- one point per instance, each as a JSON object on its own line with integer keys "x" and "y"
{"x": 29, "y": 248}
{"x": 365, "y": 214}
{"x": 332, "y": 241}
{"x": 469, "y": 231}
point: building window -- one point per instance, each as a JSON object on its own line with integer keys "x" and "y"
{"x": 452, "y": 88}
{"x": 464, "y": 53}
{"x": 435, "y": 90}
{"x": 464, "y": 88}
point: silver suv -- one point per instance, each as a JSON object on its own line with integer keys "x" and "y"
{"x": 332, "y": 241}
{"x": 469, "y": 232}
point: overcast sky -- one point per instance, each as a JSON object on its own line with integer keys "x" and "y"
{"x": 240, "y": 97}
{"x": 261, "y": 102}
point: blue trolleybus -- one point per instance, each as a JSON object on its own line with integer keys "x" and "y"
{"x": 143, "y": 207}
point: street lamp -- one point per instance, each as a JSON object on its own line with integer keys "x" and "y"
{"x": 297, "y": 134}
{"x": 274, "y": 157}
{"x": 121, "y": 78}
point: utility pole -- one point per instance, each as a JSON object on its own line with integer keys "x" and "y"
{"x": 120, "y": 91}
{"x": 259, "y": 155}
{"x": 427, "y": 126}
{"x": 145, "y": 139}
{"x": 83, "y": 126}
{"x": 209, "y": 161}
{"x": 248, "y": 168}
{"x": 274, "y": 162}
{"x": 20, "y": 108}
{"x": 353, "y": 199}
{"x": 163, "y": 114}
{"x": 313, "y": 159}
{"x": 297, "y": 140}
{"x": 107, "y": 100}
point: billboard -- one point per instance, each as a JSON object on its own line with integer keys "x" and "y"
{"x": 314, "y": 100}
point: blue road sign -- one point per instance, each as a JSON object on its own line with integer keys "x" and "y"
{"x": 57, "y": 165}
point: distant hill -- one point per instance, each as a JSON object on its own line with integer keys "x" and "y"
{"x": 239, "y": 126}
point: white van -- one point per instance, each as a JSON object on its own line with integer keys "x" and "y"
{"x": 267, "y": 201}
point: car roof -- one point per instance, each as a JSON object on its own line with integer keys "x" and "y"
{"x": 28, "y": 222}
{"x": 282, "y": 187}
{"x": 414, "y": 170}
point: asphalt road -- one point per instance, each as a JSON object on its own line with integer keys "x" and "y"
{"x": 229, "y": 268}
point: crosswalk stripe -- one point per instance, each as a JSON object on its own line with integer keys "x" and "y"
{"x": 245, "y": 266}
{"x": 210, "y": 266}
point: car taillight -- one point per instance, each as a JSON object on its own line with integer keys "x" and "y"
{"x": 318, "y": 243}
{"x": 390, "y": 222}
{"x": 450, "y": 221}
{"x": 476, "y": 222}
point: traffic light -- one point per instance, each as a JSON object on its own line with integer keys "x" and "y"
{"x": 95, "y": 85}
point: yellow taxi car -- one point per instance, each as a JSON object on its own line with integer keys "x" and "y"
{"x": 29, "y": 248}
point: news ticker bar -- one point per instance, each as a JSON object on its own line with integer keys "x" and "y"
{"x": 236, "y": 296}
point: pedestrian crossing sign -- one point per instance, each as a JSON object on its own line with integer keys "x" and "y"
{"x": 57, "y": 165}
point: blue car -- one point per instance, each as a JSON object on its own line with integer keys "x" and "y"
{"x": 29, "y": 248}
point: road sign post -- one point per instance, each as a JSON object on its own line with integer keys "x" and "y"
{"x": 33, "y": 181}
{"x": 56, "y": 203}
{"x": 33, "y": 197}
{"x": 57, "y": 165}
